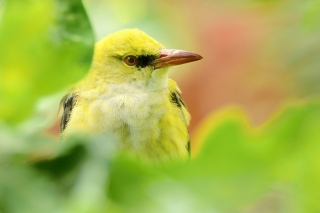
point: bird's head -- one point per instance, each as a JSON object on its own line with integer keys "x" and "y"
{"x": 131, "y": 56}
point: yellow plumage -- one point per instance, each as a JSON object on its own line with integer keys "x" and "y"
{"x": 127, "y": 97}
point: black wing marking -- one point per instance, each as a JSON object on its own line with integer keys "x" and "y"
{"x": 177, "y": 99}
{"x": 67, "y": 103}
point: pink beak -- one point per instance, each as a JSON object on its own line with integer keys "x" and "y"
{"x": 170, "y": 57}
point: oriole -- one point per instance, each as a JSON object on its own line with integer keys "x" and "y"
{"x": 128, "y": 97}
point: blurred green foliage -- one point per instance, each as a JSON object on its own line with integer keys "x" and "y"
{"x": 47, "y": 45}
{"x": 239, "y": 169}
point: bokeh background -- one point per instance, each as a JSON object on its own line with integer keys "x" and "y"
{"x": 254, "y": 102}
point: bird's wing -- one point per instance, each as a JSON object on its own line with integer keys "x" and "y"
{"x": 66, "y": 104}
{"x": 178, "y": 101}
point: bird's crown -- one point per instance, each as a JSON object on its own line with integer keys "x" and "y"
{"x": 128, "y": 42}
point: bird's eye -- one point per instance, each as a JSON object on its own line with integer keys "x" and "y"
{"x": 130, "y": 60}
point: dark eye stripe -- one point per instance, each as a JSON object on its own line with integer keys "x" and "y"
{"x": 145, "y": 60}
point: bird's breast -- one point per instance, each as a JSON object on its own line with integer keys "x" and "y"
{"x": 143, "y": 121}
{"x": 129, "y": 114}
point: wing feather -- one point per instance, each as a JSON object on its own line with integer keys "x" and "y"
{"x": 178, "y": 101}
{"x": 66, "y": 104}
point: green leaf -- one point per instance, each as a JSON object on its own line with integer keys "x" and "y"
{"x": 46, "y": 46}
{"x": 279, "y": 158}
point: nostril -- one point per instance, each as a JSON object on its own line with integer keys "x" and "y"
{"x": 162, "y": 55}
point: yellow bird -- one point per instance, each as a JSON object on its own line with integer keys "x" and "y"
{"x": 127, "y": 97}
